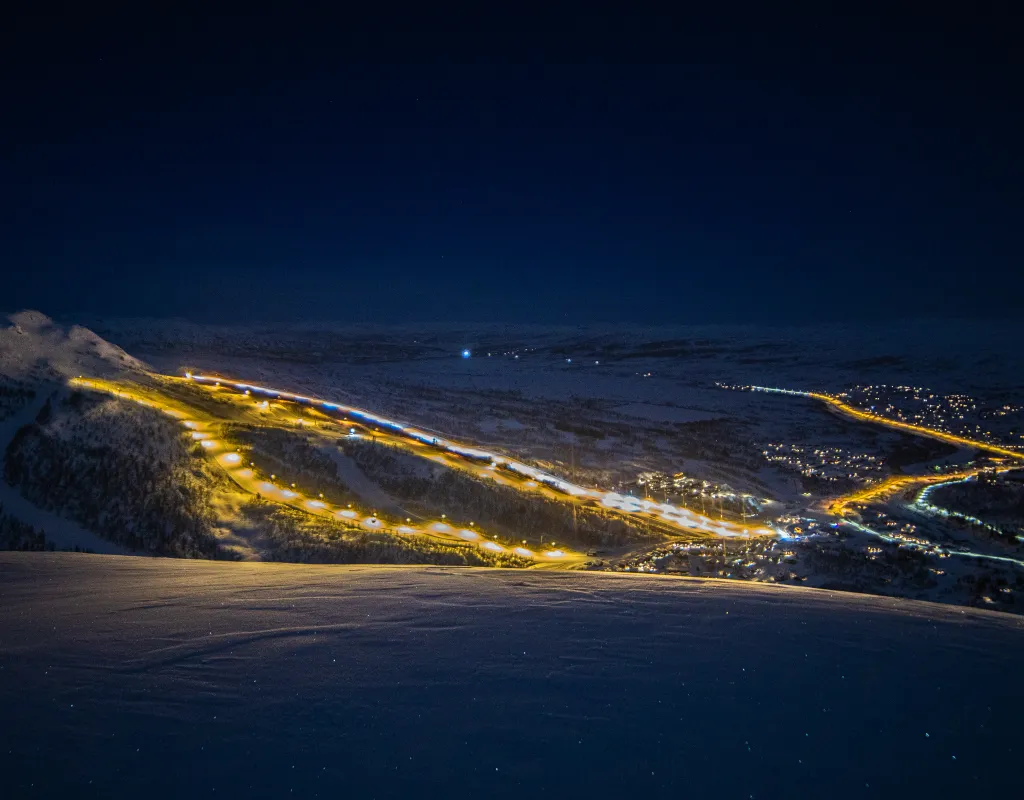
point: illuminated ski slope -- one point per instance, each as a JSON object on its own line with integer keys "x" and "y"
{"x": 675, "y": 516}
{"x": 202, "y": 429}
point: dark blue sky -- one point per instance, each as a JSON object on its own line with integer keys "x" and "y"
{"x": 569, "y": 168}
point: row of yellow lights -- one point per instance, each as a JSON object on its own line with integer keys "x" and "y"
{"x": 691, "y": 520}
{"x": 918, "y": 429}
{"x": 897, "y": 483}
{"x": 230, "y": 460}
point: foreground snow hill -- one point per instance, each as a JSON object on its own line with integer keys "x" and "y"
{"x": 133, "y": 677}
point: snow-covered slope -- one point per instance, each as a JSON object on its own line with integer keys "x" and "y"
{"x": 37, "y": 355}
{"x": 125, "y": 677}
{"x": 33, "y": 347}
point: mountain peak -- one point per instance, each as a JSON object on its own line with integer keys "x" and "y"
{"x": 34, "y": 347}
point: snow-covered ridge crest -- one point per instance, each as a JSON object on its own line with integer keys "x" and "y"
{"x": 34, "y": 347}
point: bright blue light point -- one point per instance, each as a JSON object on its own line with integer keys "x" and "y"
{"x": 465, "y": 354}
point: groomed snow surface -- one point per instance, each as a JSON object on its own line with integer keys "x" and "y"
{"x": 129, "y": 677}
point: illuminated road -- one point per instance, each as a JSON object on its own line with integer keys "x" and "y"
{"x": 893, "y": 485}
{"x": 921, "y": 503}
{"x": 931, "y": 547}
{"x": 919, "y": 430}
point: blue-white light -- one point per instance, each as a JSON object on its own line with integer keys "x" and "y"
{"x": 465, "y": 354}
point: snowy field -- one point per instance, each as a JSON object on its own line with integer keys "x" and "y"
{"x": 125, "y": 677}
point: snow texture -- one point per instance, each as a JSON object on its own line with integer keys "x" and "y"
{"x": 127, "y": 677}
{"x": 33, "y": 346}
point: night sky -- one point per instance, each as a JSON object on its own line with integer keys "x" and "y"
{"x": 574, "y": 168}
